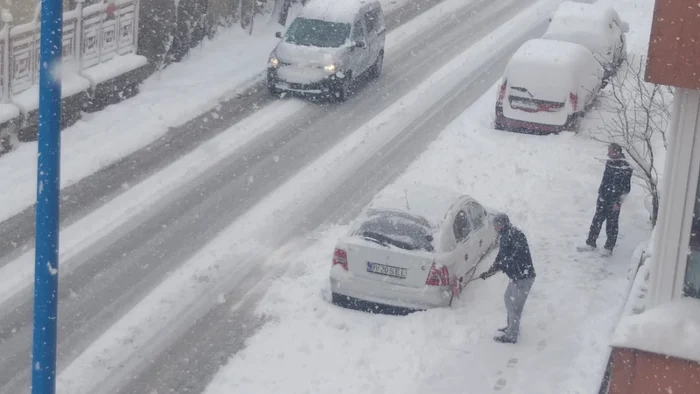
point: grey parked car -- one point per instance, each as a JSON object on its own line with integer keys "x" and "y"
{"x": 327, "y": 47}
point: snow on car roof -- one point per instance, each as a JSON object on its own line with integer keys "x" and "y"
{"x": 333, "y": 10}
{"x": 582, "y": 12}
{"x": 559, "y": 61}
{"x": 418, "y": 199}
{"x": 577, "y": 32}
{"x": 540, "y": 51}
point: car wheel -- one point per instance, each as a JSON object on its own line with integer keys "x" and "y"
{"x": 376, "y": 69}
{"x": 272, "y": 90}
{"x": 343, "y": 91}
{"x": 573, "y": 124}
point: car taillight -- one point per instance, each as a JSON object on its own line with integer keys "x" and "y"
{"x": 574, "y": 100}
{"x": 502, "y": 92}
{"x": 438, "y": 276}
{"x": 340, "y": 257}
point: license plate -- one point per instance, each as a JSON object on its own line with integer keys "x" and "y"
{"x": 381, "y": 269}
{"x": 525, "y": 105}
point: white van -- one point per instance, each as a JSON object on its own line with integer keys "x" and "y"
{"x": 547, "y": 87}
{"x": 327, "y": 47}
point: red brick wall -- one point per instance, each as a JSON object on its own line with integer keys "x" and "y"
{"x": 638, "y": 372}
{"x": 674, "y": 45}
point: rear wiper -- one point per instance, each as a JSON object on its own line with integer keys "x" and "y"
{"x": 524, "y": 90}
{"x": 374, "y": 238}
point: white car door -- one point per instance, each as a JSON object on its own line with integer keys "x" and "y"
{"x": 481, "y": 228}
{"x": 466, "y": 252}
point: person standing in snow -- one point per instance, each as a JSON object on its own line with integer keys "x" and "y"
{"x": 515, "y": 261}
{"x": 614, "y": 187}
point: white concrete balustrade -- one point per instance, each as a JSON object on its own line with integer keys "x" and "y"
{"x": 100, "y": 42}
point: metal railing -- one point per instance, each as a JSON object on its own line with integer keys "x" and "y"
{"x": 92, "y": 35}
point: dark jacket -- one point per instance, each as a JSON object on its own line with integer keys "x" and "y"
{"x": 617, "y": 181}
{"x": 513, "y": 255}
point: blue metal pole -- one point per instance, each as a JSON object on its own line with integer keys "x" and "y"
{"x": 47, "y": 200}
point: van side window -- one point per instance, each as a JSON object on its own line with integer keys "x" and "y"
{"x": 358, "y": 31}
{"x": 372, "y": 21}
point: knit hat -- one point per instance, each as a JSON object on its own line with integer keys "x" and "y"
{"x": 501, "y": 219}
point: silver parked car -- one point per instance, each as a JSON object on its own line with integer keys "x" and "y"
{"x": 328, "y": 46}
{"x": 411, "y": 251}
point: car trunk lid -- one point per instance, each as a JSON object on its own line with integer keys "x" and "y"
{"x": 378, "y": 261}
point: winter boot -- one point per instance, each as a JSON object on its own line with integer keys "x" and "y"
{"x": 586, "y": 248}
{"x": 504, "y": 339}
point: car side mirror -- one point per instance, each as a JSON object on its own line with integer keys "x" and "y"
{"x": 625, "y": 27}
{"x": 278, "y": 34}
{"x": 359, "y": 44}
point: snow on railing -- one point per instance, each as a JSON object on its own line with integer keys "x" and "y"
{"x": 91, "y": 35}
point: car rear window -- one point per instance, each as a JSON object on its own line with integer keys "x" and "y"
{"x": 400, "y": 230}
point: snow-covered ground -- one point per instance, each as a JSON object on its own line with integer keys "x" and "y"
{"x": 216, "y": 70}
{"x": 181, "y": 293}
{"x": 548, "y": 185}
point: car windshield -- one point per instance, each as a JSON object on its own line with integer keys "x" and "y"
{"x": 317, "y": 33}
{"x": 403, "y": 231}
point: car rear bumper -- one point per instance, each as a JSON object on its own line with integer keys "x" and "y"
{"x": 502, "y": 122}
{"x": 327, "y": 85}
{"x": 370, "y": 306}
{"x": 377, "y": 297}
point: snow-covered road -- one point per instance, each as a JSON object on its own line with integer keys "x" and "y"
{"x": 301, "y": 166}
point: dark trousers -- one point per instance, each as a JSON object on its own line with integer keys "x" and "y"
{"x": 515, "y": 297}
{"x": 604, "y": 212}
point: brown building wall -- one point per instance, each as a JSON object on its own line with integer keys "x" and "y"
{"x": 638, "y": 372}
{"x": 674, "y": 45}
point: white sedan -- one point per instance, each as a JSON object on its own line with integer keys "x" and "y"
{"x": 410, "y": 250}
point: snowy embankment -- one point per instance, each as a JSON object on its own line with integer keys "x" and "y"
{"x": 548, "y": 185}
{"x": 215, "y": 71}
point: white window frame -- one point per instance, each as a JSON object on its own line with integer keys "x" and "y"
{"x": 680, "y": 181}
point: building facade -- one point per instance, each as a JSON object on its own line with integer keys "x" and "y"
{"x": 658, "y": 351}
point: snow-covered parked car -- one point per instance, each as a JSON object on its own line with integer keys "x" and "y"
{"x": 598, "y": 27}
{"x": 547, "y": 87}
{"x": 409, "y": 250}
{"x": 327, "y": 47}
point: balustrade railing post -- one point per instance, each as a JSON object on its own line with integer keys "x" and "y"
{"x": 79, "y": 35}
{"x": 136, "y": 26}
{"x": 6, "y": 19}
